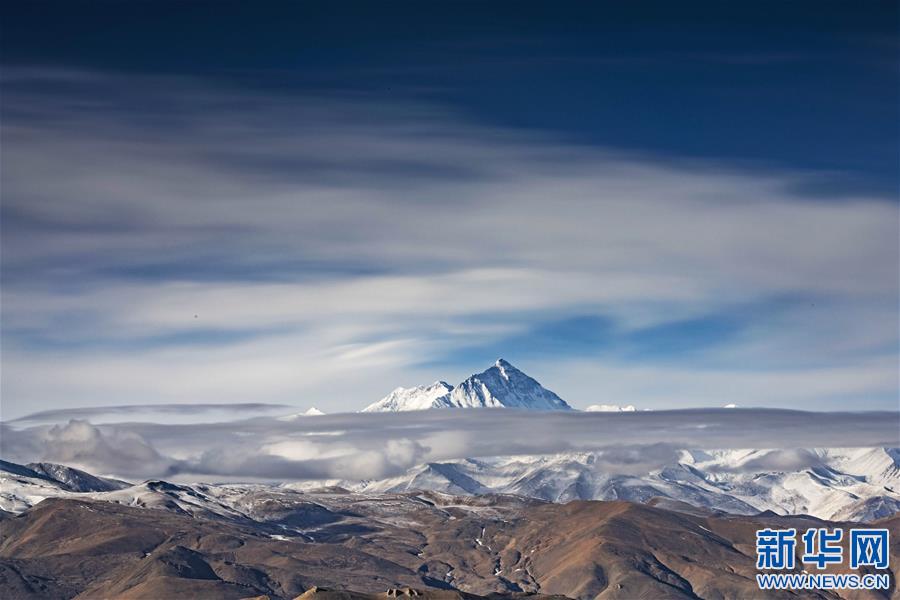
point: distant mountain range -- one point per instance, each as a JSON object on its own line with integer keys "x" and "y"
{"x": 855, "y": 484}
{"x": 852, "y": 484}
{"x": 500, "y": 386}
{"x": 163, "y": 540}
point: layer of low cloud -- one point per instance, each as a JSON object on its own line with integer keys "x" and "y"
{"x": 367, "y": 446}
{"x": 138, "y": 412}
{"x": 167, "y": 240}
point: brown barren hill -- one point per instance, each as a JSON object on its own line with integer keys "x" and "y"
{"x": 401, "y": 545}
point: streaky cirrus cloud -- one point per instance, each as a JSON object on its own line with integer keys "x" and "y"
{"x": 169, "y": 239}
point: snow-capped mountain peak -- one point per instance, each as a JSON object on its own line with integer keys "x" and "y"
{"x": 420, "y": 397}
{"x": 500, "y": 386}
{"x": 502, "y": 366}
{"x": 505, "y": 386}
{"x": 610, "y": 408}
{"x": 310, "y": 412}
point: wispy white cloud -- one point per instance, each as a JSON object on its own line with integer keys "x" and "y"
{"x": 165, "y": 241}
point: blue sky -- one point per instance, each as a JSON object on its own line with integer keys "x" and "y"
{"x": 656, "y": 205}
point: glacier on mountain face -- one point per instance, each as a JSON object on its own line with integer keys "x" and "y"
{"x": 500, "y": 386}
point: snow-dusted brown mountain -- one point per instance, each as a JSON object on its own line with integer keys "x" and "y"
{"x": 232, "y": 541}
{"x": 500, "y": 386}
{"x": 282, "y": 544}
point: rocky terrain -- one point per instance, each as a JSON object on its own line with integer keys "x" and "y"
{"x": 159, "y": 539}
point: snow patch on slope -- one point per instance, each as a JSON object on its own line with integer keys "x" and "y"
{"x": 421, "y": 397}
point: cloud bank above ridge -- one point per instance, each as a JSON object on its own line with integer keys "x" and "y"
{"x": 376, "y": 445}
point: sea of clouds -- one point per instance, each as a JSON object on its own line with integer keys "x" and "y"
{"x": 354, "y": 446}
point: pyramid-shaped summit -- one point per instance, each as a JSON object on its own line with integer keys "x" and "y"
{"x": 500, "y": 386}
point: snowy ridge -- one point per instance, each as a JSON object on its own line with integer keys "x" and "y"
{"x": 421, "y": 397}
{"x": 76, "y": 480}
{"x": 500, "y": 386}
{"x": 852, "y": 484}
{"x": 855, "y": 484}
